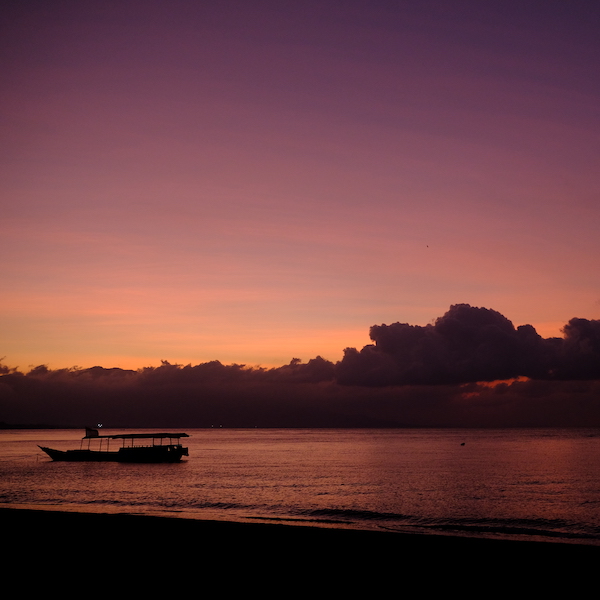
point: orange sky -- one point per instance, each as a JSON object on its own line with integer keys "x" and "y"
{"x": 255, "y": 182}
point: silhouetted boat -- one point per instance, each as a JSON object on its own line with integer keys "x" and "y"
{"x": 133, "y": 449}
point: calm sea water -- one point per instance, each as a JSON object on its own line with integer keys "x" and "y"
{"x": 534, "y": 484}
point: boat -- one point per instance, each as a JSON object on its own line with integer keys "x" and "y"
{"x": 135, "y": 448}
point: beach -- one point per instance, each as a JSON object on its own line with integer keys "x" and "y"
{"x": 104, "y": 544}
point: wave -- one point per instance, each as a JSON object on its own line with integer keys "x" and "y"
{"x": 559, "y": 530}
{"x": 514, "y": 528}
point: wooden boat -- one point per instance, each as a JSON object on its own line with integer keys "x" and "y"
{"x": 135, "y": 448}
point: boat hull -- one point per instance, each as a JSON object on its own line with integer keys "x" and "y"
{"x": 152, "y": 454}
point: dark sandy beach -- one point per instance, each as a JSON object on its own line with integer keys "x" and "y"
{"x": 101, "y": 545}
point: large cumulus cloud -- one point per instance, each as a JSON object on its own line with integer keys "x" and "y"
{"x": 469, "y": 344}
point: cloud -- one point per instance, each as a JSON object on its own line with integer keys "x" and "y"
{"x": 580, "y": 351}
{"x": 411, "y": 376}
{"x": 469, "y": 344}
{"x": 205, "y": 394}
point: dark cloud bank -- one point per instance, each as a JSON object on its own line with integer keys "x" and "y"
{"x": 411, "y": 376}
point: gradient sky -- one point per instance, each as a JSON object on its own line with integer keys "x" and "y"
{"x": 251, "y": 181}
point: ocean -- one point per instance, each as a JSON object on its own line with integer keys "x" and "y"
{"x": 536, "y": 484}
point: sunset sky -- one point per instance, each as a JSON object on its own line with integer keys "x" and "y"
{"x": 252, "y": 181}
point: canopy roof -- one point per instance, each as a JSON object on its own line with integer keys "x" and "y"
{"x": 93, "y": 433}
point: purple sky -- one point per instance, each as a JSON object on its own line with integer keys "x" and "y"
{"x": 256, "y": 181}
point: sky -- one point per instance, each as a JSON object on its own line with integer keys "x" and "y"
{"x": 252, "y": 182}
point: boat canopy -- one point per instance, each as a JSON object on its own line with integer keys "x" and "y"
{"x": 93, "y": 433}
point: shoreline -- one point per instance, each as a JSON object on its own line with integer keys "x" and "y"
{"x": 105, "y": 528}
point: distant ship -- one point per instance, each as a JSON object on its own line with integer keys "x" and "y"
{"x": 135, "y": 448}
